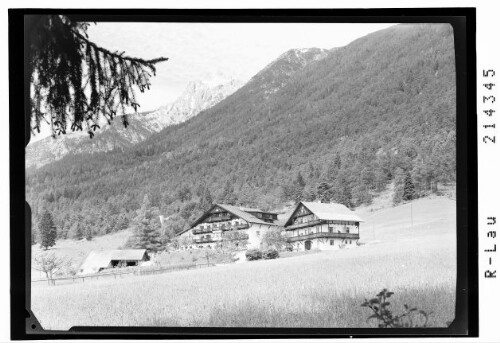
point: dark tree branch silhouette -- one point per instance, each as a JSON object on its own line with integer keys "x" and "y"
{"x": 75, "y": 82}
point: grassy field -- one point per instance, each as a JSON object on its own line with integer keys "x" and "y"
{"x": 323, "y": 289}
{"x": 77, "y": 251}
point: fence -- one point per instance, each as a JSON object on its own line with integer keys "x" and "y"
{"x": 136, "y": 272}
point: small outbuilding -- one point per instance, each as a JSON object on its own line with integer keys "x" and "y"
{"x": 105, "y": 259}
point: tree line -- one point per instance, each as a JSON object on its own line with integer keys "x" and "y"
{"x": 379, "y": 111}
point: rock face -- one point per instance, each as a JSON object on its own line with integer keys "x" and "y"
{"x": 197, "y": 96}
{"x": 276, "y": 74}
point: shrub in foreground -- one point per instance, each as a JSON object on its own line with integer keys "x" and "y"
{"x": 410, "y": 318}
{"x": 253, "y": 254}
{"x": 270, "y": 254}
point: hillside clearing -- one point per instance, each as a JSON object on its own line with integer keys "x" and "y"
{"x": 313, "y": 290}
{"x": 77, "y": 251}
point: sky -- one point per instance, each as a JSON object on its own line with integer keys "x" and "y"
{"x": 212, "y": 51}
{"x": 201, "y": 51}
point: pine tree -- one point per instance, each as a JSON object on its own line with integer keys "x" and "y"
{"x": 324, "y": 192}
{"x": 308, "y": 194}
{"x": 299, "y": 181}
{"x": 228, "y": 196}
{"x": 399, "y": 178}
{"x": 75, "y": 81}
{"x": 206, "y": 200}
{"x": 408, "y": 188}
{"x": 88, "y": 234}
{"x": 147, "y": 228}
{"x": 298, "y": 186}
{"x": 184, "y": 193}
{"x": 346, "y": 196}
{"x": 122, "y": 223}
{"x": 34, "y": 234}
{"x": 361, "y": 194}
{"x": 147, "y": 235}
{"x": 76, "y": 231}
{"x": 47, "y": 230}
{"x": 338, "y": 162}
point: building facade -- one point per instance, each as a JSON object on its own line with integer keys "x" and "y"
{"x": 97, "y": 261}
{"x": 219, "y": 224}
{"x": 322, "y": 226}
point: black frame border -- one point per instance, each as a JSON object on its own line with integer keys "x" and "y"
{"x": 466, "y": 324}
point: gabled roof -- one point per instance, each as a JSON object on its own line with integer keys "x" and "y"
{"x": 237, "y": 211}
{"x": 128, "y": 254}
{"x": 330, "y": 211}
{"x": 249, "y": 209}
{"x": 101, "y": 259}
{"x": 242, "y": 214}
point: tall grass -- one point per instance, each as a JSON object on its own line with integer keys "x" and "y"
{"x": 315, "y": 290}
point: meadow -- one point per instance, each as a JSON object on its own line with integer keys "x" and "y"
{"x": 325, "y": 289}
{"x": 77, "y": 251}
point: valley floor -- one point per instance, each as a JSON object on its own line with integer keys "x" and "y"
{"x": 416, "y": 259}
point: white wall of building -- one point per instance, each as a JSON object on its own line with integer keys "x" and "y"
{"x": 255, "y": 233}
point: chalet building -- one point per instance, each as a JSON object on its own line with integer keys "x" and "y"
{"x": 321, "y": 226}
{"x": 105, "y": 259}
{"x": 208, "y": 231}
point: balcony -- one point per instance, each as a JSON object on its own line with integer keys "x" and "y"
{"x": 236, "y": 227}
{"x": 324, "y": 235}
{"x": 214, "y": 219}
{"x": 205, "y": 240}
{"x": 200, "y": 231}
{"x": 306, "y": 224}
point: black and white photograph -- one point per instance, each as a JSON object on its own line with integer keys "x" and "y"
{"x": 244, "y": 174}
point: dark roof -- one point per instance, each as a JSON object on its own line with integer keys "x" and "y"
{"x": 242, "y": 214}
{"x": 330, "y": 211}
{"x": 235, "y": 210}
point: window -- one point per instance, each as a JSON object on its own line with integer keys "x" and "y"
{"x": 347, "y": 230}
{"x": 350, "y": 242}
{"x": 330, "y": 229}
{"x": 258, "y": 233}
{"x": 332, "y": 241}
{"x": 202, "y": 227}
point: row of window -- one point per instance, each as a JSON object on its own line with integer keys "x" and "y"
{"x": 220, "y": 225}
{"x": 220, "y": 214}
{"x": 332, "y": 242}
{"x": 331, "y": 229}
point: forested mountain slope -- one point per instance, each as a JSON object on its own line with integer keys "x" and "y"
{"x": 197, "y": 97}
{"x": 337, "y": 128}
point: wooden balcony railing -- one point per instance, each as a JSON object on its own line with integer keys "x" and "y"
{"x": 225, "y": 228}
{"x": 205, "y": 240}
{"x": 324, "y": 235}
{"x": 218, "y": 218}
{"x": 200, "y": 231}
{"x": 306, "y": 224}
{"x": 237, "y": 227}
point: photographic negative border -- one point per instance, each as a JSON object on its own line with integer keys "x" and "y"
{"x": 24, "y": 324}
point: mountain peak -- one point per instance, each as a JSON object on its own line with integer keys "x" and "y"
{"x": 197, "y": 96}
{"x": 275, "y": 74}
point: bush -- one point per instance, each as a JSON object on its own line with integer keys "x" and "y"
{"x": 270, "y": 254}
{"x": 253, "y": 254}
{"x": 385, "y": 318}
